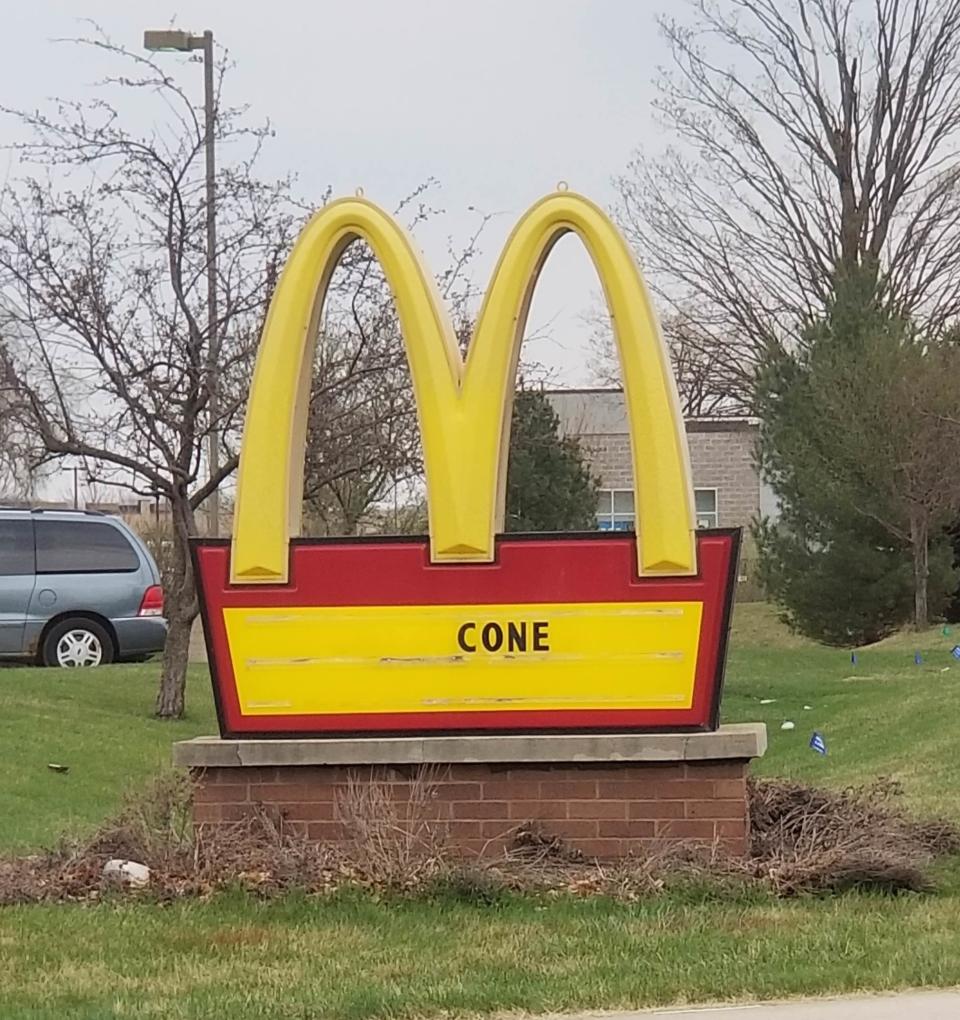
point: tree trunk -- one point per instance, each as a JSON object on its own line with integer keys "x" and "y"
{"x": 181, "y": 607}
{"x": 920, "y": 542}
{"x": 173, "y": 679}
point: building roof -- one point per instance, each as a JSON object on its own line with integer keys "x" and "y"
{"x": 596, "y": 411}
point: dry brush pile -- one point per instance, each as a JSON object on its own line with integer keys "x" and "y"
{"x": 804, "y": 841}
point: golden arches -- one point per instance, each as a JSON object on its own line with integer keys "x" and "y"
{"x": 464, "y": 411}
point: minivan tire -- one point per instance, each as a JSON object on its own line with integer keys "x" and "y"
{"x": 79, "y": 639}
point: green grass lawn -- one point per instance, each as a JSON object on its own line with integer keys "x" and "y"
{"x": 357, "y": 958}
{"x": 97, "y": 722}
{"x": 354, "y": 957}
{"x": 884, "y": 716}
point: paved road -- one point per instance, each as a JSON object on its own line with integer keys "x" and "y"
{"x": 928, "y": 1005}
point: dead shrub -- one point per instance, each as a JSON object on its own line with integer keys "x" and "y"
{"x": 805, "y": 839}
{"x": 156, "y": 825}
{"x": 541, "y": 861}
{"x": 264, "y": 854}
{"x": 532, "y": 845}
{"x": 153, "y": 827}
{"x": 395, "y": 838}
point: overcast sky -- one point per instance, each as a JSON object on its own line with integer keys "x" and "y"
{"x": 499, "y": 100}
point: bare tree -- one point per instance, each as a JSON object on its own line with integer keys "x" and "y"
{"x": 363, "y": 438}
{"x": 914, "y": 438}
{"x": 813, "y": 138}
{"x": 19, "y": 450}
{"x": 712, "y": 379}
{"x": 103, "y": 272}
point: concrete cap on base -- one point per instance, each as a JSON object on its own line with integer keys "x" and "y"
{"x": 734, "y": 741}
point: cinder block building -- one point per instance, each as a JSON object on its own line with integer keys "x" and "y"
{"x": 727, "y": 486}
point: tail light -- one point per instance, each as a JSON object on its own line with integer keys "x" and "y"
{"x": 152, "y": 602}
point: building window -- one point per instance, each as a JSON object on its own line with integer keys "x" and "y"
{"x": 705, "y": 501}
{"x": 615, "y": 510}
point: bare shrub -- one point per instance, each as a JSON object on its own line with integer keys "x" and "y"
{"x": 532, "y": 845}
{"x": 395, "y": 838}
{"x": 266, "y": 855}
{"x": 154, "y": 827}
{"x": 805, "y": 839}
{"x": 538, "y": 860}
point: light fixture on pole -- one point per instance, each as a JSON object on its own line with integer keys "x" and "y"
{"x": 185, "y": 42}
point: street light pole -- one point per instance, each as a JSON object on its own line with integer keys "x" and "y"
{"x": 184, "y": 42}
{"x": 213, "y": 331}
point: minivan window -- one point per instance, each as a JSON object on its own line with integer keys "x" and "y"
{"x": 16, "y": 547}
{"x": 81, "y": 547}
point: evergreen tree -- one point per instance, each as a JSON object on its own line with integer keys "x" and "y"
{"x": 858, "y": 437}
{"x": 844, "y": 583}
{"x": 549, "y": 488}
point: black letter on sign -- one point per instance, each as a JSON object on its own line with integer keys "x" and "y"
{"x": 492, "y": 637}
{"x": 540, "y": 636}
{"x": 517, "y": 637}
{"x": 462, "y": 637}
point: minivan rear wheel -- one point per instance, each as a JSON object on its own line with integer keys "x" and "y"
{"x": 76, "y": 643}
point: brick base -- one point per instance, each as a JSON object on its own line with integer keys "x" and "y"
{"x": 604, "y": 810}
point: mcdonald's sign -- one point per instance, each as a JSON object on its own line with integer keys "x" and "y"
{"x": 467, "y": 630}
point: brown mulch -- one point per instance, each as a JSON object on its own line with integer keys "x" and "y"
{"x": 803, "y": 840}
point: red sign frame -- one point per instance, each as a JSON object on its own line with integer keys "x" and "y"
{"x": 376, "y": 571}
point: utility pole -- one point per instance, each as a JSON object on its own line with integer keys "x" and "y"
{"x": 184, "y": 42}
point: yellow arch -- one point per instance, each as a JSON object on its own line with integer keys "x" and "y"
{"x": 464, "y": 411}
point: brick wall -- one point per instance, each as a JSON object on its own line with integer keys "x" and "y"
{"x": 609, "y": 460}
{"x": 605, "y": 811}
{"x": 724, "y": 461}
{"x": 721, "y": 450}
{"x": 721, "y": 460}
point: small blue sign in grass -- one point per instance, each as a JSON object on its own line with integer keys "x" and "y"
{"x": 955, "y": 652}
{"x": 817, "y": 743}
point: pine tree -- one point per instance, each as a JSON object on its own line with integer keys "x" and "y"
{"x": 859, "y": 427}
{"x": 549, "y": 487}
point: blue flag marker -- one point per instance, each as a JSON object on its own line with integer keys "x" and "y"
{"x": 853, "y": 658}
{"x": 817, "y": 743}
{"x": 956, "y": 651}
{"x": 918, "y": 659}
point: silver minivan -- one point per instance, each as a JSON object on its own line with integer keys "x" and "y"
{"x": 77, "y": 588}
